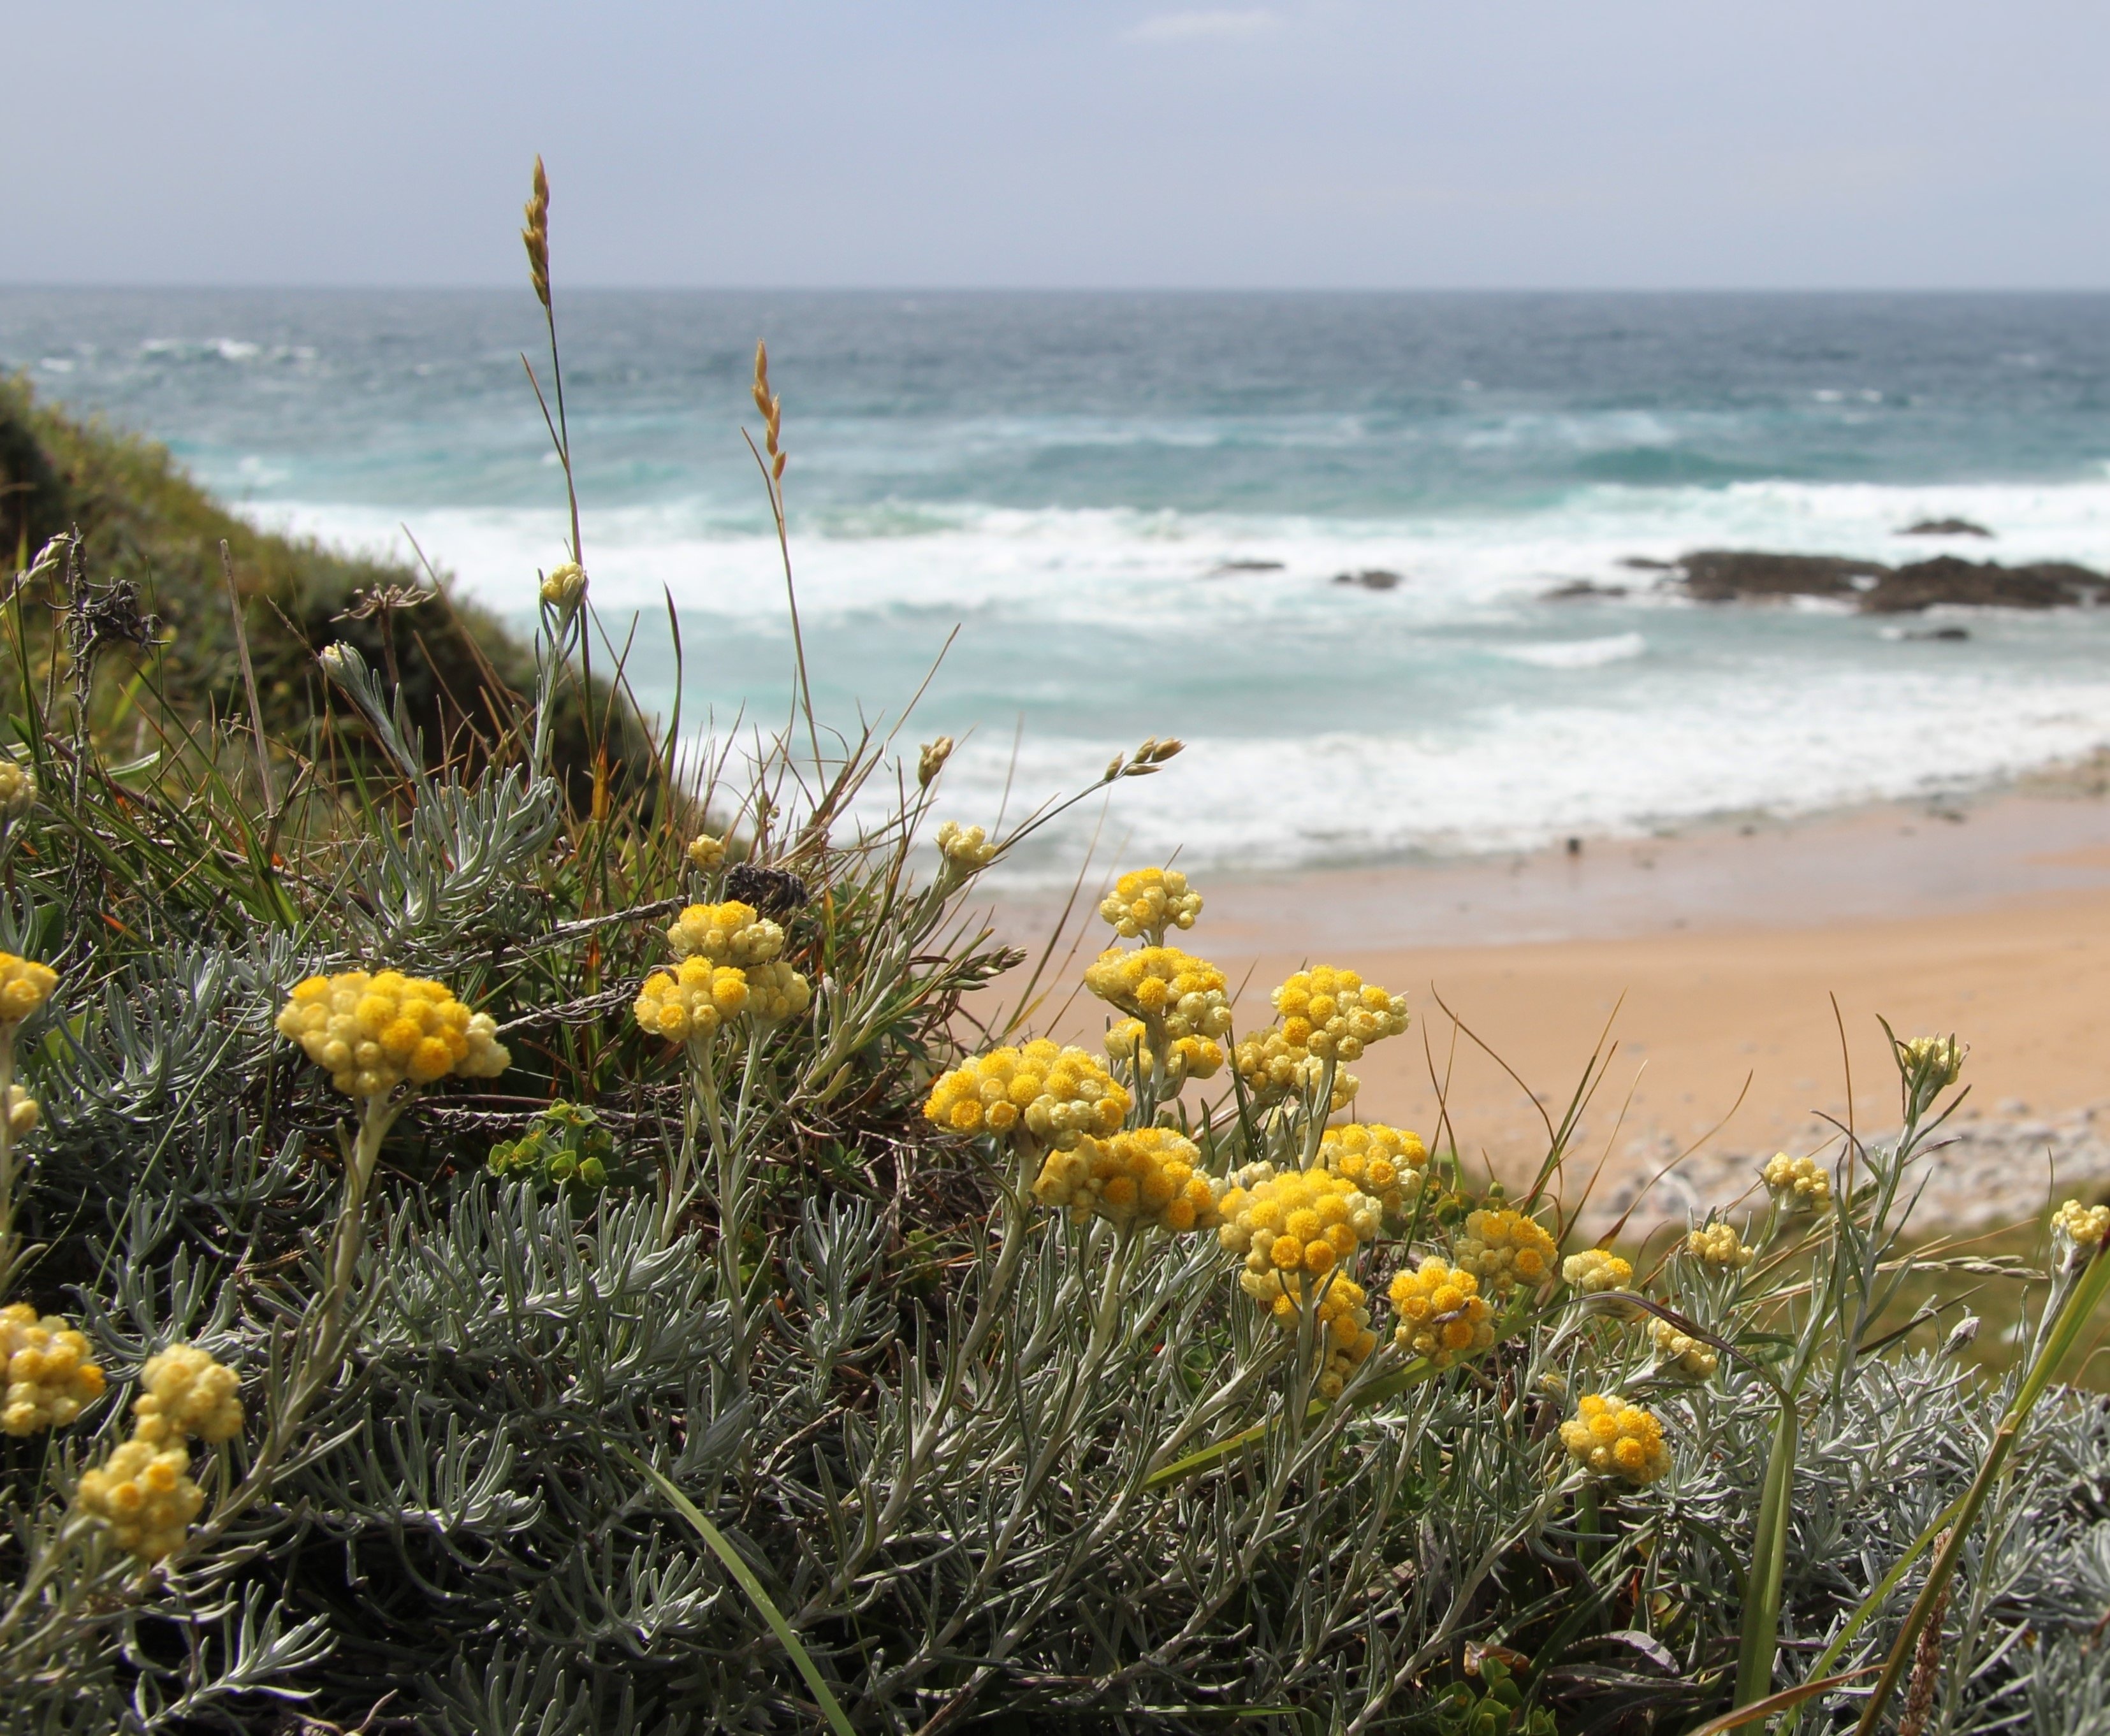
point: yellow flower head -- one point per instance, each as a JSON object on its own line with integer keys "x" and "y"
{"x": 1151, "y": 1176}
{"x": 1610, "y": 1437}
{"x": 1054, "y": 1096}
{"x": 1323, "y": 1015}
{"x": 185, "y": 1392}
{"x": 1680, "y": 1355}
{"x": 689, "y": 1003}
{"x": 1303, "y": 1221}
{"x": 1166, "y": 986}
{"x": 1799, "y": 1183}
{"x": 1343, "y": 1314}
{"x": 729, "y": 933}
{"x": 2078, "y": 1230}
{"x": 18, "y": 789}
{"x": 1719, "y": 1245}
{"x": 1185, "y": 1057}
{"x": 565, "y": 586}
{"x": 967, "y": 849}
{"x": 24, "y": 1114}
{"x": 24, "y": 986}
{"x": 1593, "y": 1271}
{"x": 1387, "y": 1163}
{"x": 370, "y": 1033}
{"x": 1505, "y": 1249}
{"x": 1148, "y": 902}
{"x": 49, "y": 1376}
{"x": 706, "y": 853}
{"x": 1442, "y": 1316}
{"x": 144, "y": 1493}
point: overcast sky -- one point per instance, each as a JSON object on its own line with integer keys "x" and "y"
{"x": 1365, "y": 143}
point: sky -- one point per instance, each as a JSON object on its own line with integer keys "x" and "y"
{"x": 1064, "y": 143}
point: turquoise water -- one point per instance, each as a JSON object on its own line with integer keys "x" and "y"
{"x": 1061, "y": 476}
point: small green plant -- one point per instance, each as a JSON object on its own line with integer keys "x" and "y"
{"x": 566, "y": 1146}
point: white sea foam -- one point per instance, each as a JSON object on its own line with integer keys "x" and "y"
{"x": 1457, "y": 712}
{"x": 1577, "y": 653}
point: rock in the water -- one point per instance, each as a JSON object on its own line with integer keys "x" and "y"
{"x": 1577, "y": 589}
{"x": 1224, "y": 569}
{"x": 1985, "y": 584}
{"x": 1949, "y": 635}
{"x": 1945, "y": 527}
{"x": 1370, "y": 578}
{"x": 1728, "y": 574}
{"x": 1643, "y": 563}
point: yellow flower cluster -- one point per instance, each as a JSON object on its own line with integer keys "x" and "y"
{"x": 729, "y": 934}
{"x": 1344, "y": 1319}
{"x": 1505, "y": 1249}
{"x": 706, "y": 853}
{"x": 1681, "y": 1354}
{"x": 1185, "y": 1057}
{"x": 1165, "y": 985}
{"x": 1443, "y": 1315}
{"x": 967, "y": 849}
{"x": 1306, "y": 1220}
{"x": 1612, "y": 1438}
{"x": 1593, "y": 1271}
{"x": 2081, "y": 1225}
{"x": 185, "y": 1393}
{"x": 1056, "y": 1095}
{"x": 691, "y": 1002}
{"x": 24, "y": 986}
{"x": 1325, "y": 1015}
{"x": 1801, "y": 1183}
{"x": 370, "y": 1033}
{"x": 18, "y": 789}
{"x": 50, "y": 1379}
{"x": 1387, "y": 1163}
{"x": 1148, "y": 902}
{"x": 1719, "y": 1245}
{"x": 24, "y": 1114}
{"x": 145, "y": 1494}
{"x": 1345, "y": 1314}
{"x": 1150, "y": 1176}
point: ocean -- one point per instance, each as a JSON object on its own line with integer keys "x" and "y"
{"x": 1133, "y": 508}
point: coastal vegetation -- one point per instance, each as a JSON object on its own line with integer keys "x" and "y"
{"x": 512, "y": 1219}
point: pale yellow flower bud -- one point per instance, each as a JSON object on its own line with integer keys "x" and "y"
{"x": 565, "y": 587}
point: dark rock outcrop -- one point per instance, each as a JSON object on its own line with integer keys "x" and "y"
{"x": 1224, "y": 569}
{"x": 1983, "y": 584}
{"x": 1370, "y": 578}
{"x": 1576, "y": 590}
{"x": 1728, "y": 574}
{"x": 1945, "y": 527}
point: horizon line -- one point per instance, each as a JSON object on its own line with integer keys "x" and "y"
{"x": 318, "y": 286}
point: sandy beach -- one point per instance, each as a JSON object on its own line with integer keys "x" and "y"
{"x": 1714, "y": 959}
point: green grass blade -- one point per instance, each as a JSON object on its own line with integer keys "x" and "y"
{"x": 1759, "y": 1639}
{"x": 744, "y": 1574}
